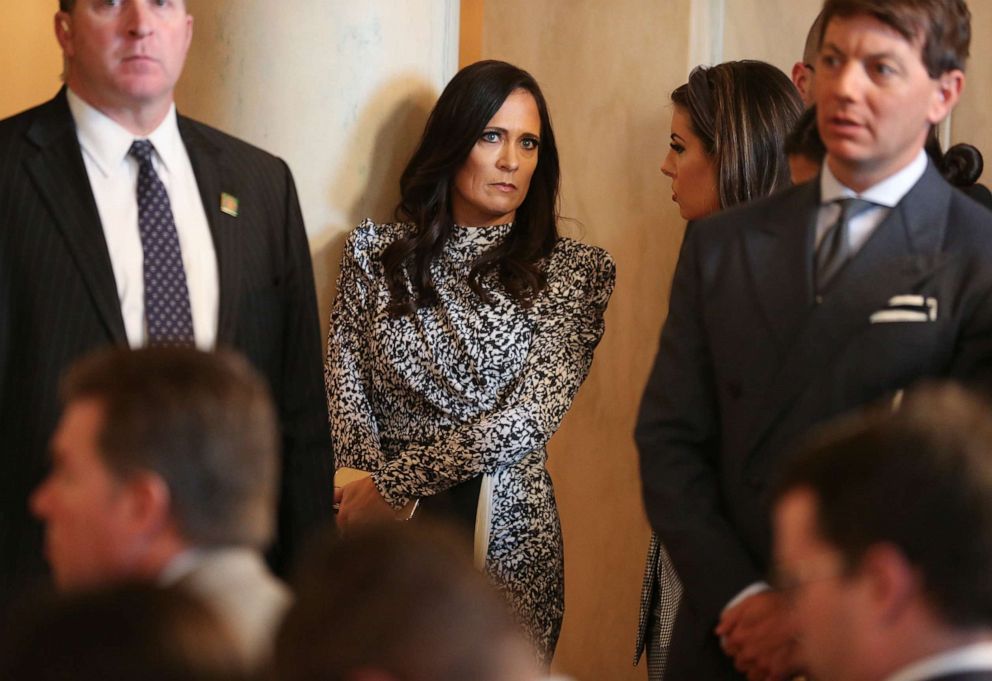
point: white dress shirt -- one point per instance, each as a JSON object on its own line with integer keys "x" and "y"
{"x": 236, "y": 584}
{"x": 886, "y": 195}
{"x": 972, "y": 658}
{"x": 113, "y": 176}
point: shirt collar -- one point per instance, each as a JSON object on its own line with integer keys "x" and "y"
{"x": 107, "y": 143}
{"x": 974, "y": 657}
{"x": 192, "y": 559}
{"x": 889, "y": 192}
{"x": 181, "y": 565}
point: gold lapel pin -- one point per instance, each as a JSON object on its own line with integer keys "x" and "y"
{"x": 229, "y": 204}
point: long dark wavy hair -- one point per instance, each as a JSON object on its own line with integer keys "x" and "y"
{"x": 467, "y": 104}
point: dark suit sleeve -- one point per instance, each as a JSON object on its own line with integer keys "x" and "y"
{"x": 678, "y": 437}
{"x": 972, "y": 360}
{"x": 307, "y": 471}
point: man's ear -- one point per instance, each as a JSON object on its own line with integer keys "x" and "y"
{"x": 63, "y": 32}
{"x": 949, "y": 86}
{"x": 800, "y": 77}
{"x": 892, "y": 584}
{"x": 189, "y": 30}
{"x": 149, "y": 506}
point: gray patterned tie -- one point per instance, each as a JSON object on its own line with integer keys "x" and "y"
{"x": 835, "y": 248}
{"x": 167, "y": 308}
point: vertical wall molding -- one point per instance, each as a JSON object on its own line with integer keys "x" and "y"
{"x": 452, "y": 38}
{"x": 706, "y": 25}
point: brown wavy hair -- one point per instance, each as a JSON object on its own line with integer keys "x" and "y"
{"x": 460, "y": 116}
{"x": 742, "y": 111}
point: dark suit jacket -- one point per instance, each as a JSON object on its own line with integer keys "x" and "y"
{"x": 58, "y": 300}
{"x": 749, "y": 360}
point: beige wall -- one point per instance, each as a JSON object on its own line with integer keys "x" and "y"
{"x": 770, "y": 30}
{"x": 340, "y": 89}
{"x": 30, "y": 59}
{"x": 972, "y": 120}
{"x": 606, "y": 69}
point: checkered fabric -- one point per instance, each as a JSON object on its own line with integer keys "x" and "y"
{"x": 660, "y": 597}
{"x": 167, "y": 307}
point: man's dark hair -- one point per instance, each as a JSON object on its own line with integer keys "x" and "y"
{"x": 804, "y": 140}
{"x": 401, "y": 598}
{"x": 943, "y": 25}
{"x": 203, "y": 422}
{"x": 467, "y": 104}
{"x": 918, "y": 478}
{"x": 66, "y": 5}
{"x": 812, "y": 44}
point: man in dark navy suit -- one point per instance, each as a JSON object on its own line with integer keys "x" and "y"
{"x": 883, "y": 542}
{"x": 790, "y": 310}
{"x": 123, "y": 223}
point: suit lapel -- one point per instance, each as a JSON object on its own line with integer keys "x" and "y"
{"x": 213, "y": 179}
{"x": 776, "y": 252}
{"x": 60, "y": 175}
{"x": 902, "y": 252}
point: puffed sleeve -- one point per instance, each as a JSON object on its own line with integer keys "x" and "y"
{"x": 348, "y": 374}
{"x": 568, "y": 325}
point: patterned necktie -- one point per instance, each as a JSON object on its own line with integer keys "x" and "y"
{"x": 835, "y": 248}
{"x": 167, "y": 308}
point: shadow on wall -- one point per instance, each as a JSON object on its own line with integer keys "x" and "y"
{"x": 384, "y": 137}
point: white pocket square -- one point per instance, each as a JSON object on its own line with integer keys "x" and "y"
{"x": 906, "y": 308}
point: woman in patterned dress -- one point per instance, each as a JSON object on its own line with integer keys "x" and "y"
{"x": 460, "y": 334}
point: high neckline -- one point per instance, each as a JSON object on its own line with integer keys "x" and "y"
{"x": 505, "y": 226}
{"x": 472, "y": 241}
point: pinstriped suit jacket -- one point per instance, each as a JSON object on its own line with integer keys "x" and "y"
{"x": 58, "y": 300}
{"x": 749, "y": 361}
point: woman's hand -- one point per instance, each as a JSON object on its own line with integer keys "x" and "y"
{"x": 361, "y": 503}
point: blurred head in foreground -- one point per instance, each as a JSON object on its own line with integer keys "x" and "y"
{"x": 399, "y": 602}
{"x": 883, "y": 537}
{"x": 129, "y": 631}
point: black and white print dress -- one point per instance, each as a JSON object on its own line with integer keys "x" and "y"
{"x": 463, "y": 388}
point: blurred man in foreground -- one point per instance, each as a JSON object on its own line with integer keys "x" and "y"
{"x": 883, "y": 543}
{"x": 165, "y": 470}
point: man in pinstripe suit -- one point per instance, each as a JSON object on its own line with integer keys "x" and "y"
{"x": 75, "y": 256}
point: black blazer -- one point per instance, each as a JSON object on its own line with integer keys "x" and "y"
{"x": 749, "y": 360}
{"x": 58, "y": 300}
